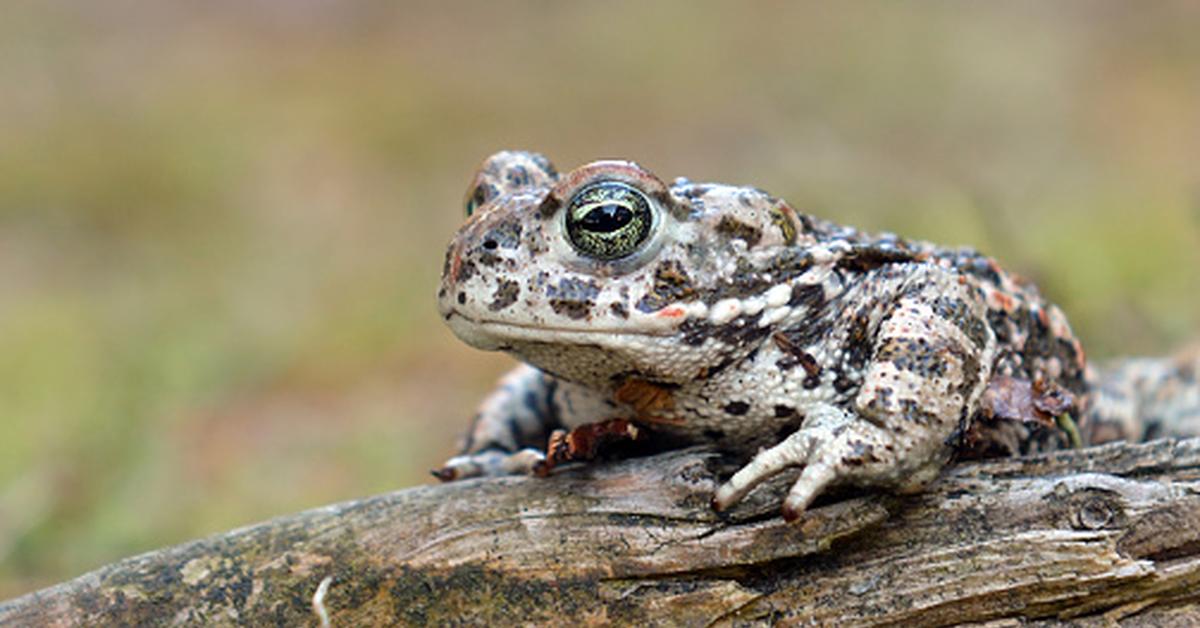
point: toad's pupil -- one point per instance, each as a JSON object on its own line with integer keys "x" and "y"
{"x": 606, "y": 218}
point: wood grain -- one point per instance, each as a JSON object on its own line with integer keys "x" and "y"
{"x": 1102, "y": 536}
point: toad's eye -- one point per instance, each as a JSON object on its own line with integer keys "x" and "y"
{"x": 608, "y": 220}
{"x": 482, "y": 193}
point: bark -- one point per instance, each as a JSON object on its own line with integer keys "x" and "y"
{"x": 1101, "y": 535}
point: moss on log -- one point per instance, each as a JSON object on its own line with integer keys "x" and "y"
{"x": 1102, "y": 535}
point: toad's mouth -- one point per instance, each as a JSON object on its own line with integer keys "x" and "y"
{"x": 494, "y": 334}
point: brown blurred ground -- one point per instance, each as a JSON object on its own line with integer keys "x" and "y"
{"x": 221, "y": 228}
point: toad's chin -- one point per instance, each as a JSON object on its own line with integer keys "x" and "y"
{"x": 594, "y": 356}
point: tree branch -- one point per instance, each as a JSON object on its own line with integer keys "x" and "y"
{"x": 1100, "y": 534}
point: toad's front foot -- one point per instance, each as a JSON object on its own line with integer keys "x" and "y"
{"x": 834, "y": 448}
{"x": 585, "y": 443}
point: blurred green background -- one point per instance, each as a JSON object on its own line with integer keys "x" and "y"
{"x": 221, "y": 223}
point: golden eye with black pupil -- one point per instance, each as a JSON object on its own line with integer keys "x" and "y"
{"x": 608, "y": 220}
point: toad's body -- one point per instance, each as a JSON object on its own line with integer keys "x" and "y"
{"x": 708, "y": 313}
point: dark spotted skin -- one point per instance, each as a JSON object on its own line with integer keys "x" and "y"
{"x": 867, "y": 360}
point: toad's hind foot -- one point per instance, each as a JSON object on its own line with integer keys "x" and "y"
{"x": 488, "y": 463}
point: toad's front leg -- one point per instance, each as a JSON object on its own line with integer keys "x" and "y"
{"x": 931, "y": 359}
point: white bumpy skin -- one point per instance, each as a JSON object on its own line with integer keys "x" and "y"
{"x": 715, "y": 314}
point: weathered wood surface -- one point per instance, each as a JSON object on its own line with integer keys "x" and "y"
{"x": 1098, "y": 536}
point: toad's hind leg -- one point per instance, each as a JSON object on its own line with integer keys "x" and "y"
{"x": 1138, "y": 399}
{"x": 512, "y": 422}
{"x": 930, "y": 361}
{"x": 509, "y": 433}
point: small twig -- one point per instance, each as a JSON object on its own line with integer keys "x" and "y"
{"x": 318, "y": 601}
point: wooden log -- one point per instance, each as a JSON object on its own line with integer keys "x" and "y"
{"x": 1102, "y": 535}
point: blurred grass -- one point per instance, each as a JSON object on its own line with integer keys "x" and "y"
{"x": 221, "y": 225}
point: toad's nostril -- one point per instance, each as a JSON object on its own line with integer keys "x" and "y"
{"x": 490, "y": 244}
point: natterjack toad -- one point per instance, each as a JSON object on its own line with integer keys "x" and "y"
{"x": 715, "y": 314}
